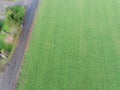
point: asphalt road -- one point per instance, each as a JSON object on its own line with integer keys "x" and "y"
{"x": 11, "y": 73}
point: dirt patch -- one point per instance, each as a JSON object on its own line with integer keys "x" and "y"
{"x": 9, "y": 39}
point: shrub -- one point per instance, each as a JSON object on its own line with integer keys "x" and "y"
{"x": 15, "y": 16}
{"x": 1, "y": 25}
{"x": 7, "y": 47}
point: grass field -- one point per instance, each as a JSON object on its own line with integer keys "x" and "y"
{"x": 75, "y": 46}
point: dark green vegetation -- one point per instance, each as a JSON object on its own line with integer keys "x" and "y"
{"x": 1, "y": 25}
{"x": 15, "y": 16}
{"x": 10, "y": 27}
{"x": 75, "y": 46}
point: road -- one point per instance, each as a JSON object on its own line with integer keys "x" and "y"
{"x": 11, "y": 73}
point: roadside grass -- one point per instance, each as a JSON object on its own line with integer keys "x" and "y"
{"x": 9, "y": 28}
{"x": 75, "y": 45}
{"x": 2, "y": 36}
{"x": 4, "y": 45}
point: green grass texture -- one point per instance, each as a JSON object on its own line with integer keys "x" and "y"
{"x": 75, "y": 45}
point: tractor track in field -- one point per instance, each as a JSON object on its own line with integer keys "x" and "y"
{"x": 11, "y": 74}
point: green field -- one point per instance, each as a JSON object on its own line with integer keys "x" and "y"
{"x": 75, "y": 46}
